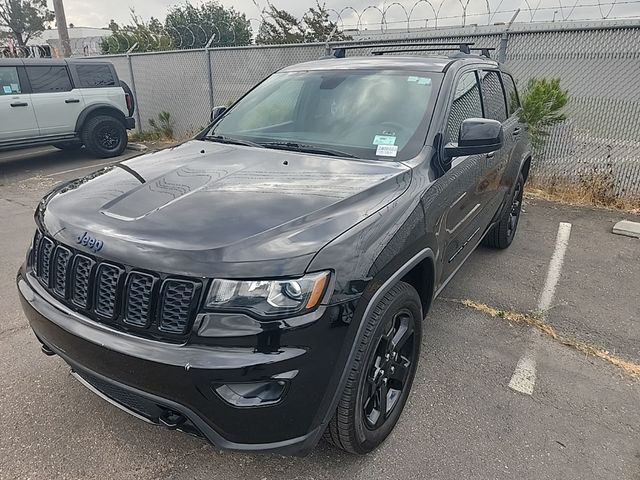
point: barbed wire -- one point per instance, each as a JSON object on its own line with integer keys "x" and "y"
{"x": 396, "y": 15}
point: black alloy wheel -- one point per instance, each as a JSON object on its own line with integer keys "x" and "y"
{"x": 389, "y": 370}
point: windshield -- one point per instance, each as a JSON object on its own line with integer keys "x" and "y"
{"x": 365, "y": 114}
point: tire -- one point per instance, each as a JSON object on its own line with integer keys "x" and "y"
{"x": 503, "y": 232}
{"x": 128, "y": 91}
{"x": 68, "y": 146}
{"x": 358, "y": 425}
{"x": 104, "y": 136}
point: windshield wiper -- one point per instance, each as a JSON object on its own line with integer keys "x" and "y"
{"x": 303, "y": 147}
{"x": 231, "y": 140}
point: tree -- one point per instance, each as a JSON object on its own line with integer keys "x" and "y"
{"x": 318, "y": 26}
{"x": 280, "y": 26}
{"x": 145, "y": 36}
{"x": 541, "y": 107}
{"x": 24, "y": 19}
{"x": 192, "y": 26}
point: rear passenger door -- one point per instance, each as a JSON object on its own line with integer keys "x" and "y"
{"x": 98, "y": 83}
{"x": 495, "y": 108}
{"x": 56, "y": 102}
{"x": 17, "y": 117}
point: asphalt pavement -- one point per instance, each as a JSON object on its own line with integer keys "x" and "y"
{"x": 462, "y": 421}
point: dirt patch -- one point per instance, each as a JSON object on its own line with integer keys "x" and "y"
{"x": 536, "y": 320}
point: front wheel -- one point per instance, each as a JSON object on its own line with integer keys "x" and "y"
{"x": 104, "y": 136}
{"x": 503, "y": 232}
{"x": 381, "y": 374}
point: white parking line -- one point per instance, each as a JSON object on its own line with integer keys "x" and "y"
{"x": 524, "y": 377}
{"x": 93, "y": 165}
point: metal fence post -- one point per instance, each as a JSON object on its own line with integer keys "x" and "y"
{"x": 504, "y": 39}
{"x": 135, "y": 94}
{"x": 210, "y": 71}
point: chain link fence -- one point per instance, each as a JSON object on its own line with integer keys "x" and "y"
{"x": 597, "y": 62}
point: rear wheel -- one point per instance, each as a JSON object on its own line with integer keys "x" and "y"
{"x": 69, "y": 146}
{"x": 381, "y": 375}
{"x": 503, "y": 232}
{"x": 104, "y": 136}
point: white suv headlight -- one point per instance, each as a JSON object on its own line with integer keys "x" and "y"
{"x": 268, "y": 298}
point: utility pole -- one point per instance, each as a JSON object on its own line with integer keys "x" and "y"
{"x": 61, "y": 23}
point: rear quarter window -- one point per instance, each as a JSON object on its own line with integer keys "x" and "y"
{"x": 93, "y": 76}
{"x": 46, "y": 79}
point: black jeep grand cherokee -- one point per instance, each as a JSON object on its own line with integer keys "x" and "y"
{"x": 265, "y": 283}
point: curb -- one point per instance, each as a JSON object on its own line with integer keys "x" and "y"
{"x": 137, "y": 146}
{"x": 627, "y": 228}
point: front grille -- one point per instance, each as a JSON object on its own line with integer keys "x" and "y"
{"x": 61, "y": 270}
{"x": 107, "y": 289}
{"x": 177, "y": 299}
{"x": 44, "y": 260}
{"x": 137, "y": 310}
{"x": 143, "y": 303}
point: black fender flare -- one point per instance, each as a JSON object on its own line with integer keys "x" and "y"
{"x": 371, "y": 304}
{"x": 104, "y": 108}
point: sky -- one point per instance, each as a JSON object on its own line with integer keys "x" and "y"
{"x": 92, "y": 13}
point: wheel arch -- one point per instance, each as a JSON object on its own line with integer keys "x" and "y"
{"x": 99, "y": 109}
{"x": 418, "y": 263}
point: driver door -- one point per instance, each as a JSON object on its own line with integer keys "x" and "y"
{"x": 464, "y": 178}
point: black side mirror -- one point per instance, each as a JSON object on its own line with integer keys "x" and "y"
{"x": 477, "y": 135}
{"x": 217, "y": 112}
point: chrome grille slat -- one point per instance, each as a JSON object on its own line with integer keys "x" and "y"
{"x": 143, "y": 303}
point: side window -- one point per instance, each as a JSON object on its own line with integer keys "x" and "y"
{"x": 48, "y": 79}
{"x": 466, "y": 104}
{"x": 493, "y": 96}
{"x": 513, "y": 102}
{"x": 95, "y": 75}
{"x": 9, "y": 81}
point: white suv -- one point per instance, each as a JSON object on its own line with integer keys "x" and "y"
{"x": 65, "y": 103}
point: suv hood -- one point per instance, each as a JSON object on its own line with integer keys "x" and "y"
{"x": 209, "y": 209}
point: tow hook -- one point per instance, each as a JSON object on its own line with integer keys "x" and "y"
{"x": 172, "y": 420}
{"x": 47, "y": 351}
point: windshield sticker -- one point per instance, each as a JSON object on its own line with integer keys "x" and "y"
{"x": 384, "y": 140}
{"x": 6, "y": 88}
{"x": 412, "y": 79}
{"x": 387, "y": 150}
{"x": 424, "y": 81}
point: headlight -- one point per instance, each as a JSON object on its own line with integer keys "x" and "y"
{"x": 268, "y": 298}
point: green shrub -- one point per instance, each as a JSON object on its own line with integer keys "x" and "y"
{"x": 163, "y": 128}
{"x": 541, "y": 107}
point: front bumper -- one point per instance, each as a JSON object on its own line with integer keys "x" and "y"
{"x": 174, "y": 384}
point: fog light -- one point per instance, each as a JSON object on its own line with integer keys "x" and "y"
{"x": 252, "y": 394}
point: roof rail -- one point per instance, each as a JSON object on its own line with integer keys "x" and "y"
{"x": 463, "y": 47}
{"x": 484, "y": 51}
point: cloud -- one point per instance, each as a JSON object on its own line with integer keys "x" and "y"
{"x": 93, "y": 13}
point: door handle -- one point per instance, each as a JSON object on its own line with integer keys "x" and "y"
{"x": 20, "y": 104}
{"x": 516, "y": 131}
{"x": 491, "y": 154}
{"x": 72, "y": 100}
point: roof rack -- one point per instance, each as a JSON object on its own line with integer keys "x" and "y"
{"x": 483, "y": 51}
{"x": 463, "y": 47}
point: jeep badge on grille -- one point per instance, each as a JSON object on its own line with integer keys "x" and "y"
{"x": 90, "y": 242}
